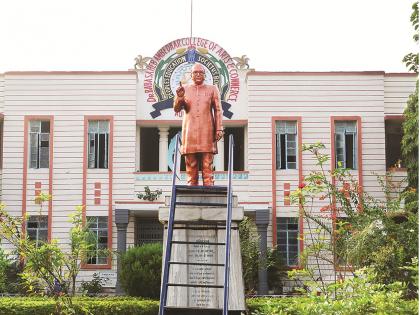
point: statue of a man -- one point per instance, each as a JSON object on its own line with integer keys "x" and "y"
{"x": 201, "y": 125}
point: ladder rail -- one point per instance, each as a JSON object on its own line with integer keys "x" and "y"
{"x": 165, "y": 280}
{"x": 228, "y": 229}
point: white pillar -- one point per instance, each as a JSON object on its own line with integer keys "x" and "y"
{"x": 138, "y": 148}
{"x": 220, "y": 157}
{"x": 163, "y": 149}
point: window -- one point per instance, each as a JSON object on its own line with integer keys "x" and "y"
{"x": 346, "y": 144}
{"x": 148, "y": 230}
{"x": 39, "y": 134}
{"x": 37, "y": 228}
{"x": 149, "y": 149}
{"x": 98, "y": 226}
{"x": 98, "y": 143}
{"x": 287, "y": 240}
{"x": 393, "y": 138}
{"x": 1, "y": 143}
{"x": 238, "y": 149}
{"x": 286, "y": 148}
{"x": 171, "y": 139}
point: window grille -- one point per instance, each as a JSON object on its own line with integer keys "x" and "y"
{"x": 286, "y": 147}
{"x": 98, "y": 226}
{"x": 148, "y": 230}
{"x": 39, "y": 135}
{"x": 288, "y": 240}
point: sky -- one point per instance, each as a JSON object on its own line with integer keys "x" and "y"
{"x": 276, "y": 35}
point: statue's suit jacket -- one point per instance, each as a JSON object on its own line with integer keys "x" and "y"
{"x": 202, "y": 118}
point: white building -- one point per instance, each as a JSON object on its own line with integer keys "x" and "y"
{"x": 98, "y": 138}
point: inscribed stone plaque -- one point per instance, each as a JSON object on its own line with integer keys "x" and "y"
{"x": 202, "y": 274}
{"x": 207, "y": 253}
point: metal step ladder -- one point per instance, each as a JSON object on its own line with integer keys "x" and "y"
{"x": 179, "y": 190}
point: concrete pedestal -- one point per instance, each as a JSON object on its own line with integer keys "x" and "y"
{"x": 204, "y": 224}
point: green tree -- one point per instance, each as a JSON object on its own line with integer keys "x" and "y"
{"x": 48, "y": 268}
{"x": 253, "y": 259}
{"x": 411, "y": 60}
{"x": 410, "y": 149}
{"x": 250, "y": 254}
{"x": 5, "y": 263}
{"x": 352, "y": 228}
{"x": 410, "y": 140}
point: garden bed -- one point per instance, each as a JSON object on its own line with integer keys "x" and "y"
{"x": 256, "y": 306}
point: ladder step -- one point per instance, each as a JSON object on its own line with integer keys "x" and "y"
{"x": 210, "y": 190}
{"x": 215, "y": 227}
{"x": 202, "y": 222}
{"x": 199, "y": 243}
{"x": 195, "y": 285}
{"x": 195, "y": 264}
{"x": 202, "y": 204}
{"x": 198, "y": 310}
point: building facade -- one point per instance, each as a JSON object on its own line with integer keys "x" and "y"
{"x": 98, "y": 139}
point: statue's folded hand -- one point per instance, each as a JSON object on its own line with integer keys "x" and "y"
{"x": 219, "y": 134}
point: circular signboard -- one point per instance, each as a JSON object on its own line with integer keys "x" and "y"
{"x": 172, "y": 64}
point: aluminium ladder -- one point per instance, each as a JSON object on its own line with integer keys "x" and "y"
{"x": 207, "y": 190}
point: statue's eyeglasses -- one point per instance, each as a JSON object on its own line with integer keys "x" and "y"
{"x": 198, "y": 72}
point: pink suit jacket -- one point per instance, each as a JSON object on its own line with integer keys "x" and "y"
{"x": 202, "y": 118}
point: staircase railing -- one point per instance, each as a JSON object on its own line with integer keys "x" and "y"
{"x": 228, "y": 228}
{"x": 169, "y": 241}
{"x": 165, "y": 280}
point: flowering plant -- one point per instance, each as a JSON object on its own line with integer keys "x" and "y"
{"x": 345, "y": 228}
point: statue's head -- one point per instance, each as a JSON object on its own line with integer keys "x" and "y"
{"x": 198, "y": 74}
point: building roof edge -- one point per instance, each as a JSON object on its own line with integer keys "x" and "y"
{"x": 69, "y": 72}
{"x": 317, "y": 73}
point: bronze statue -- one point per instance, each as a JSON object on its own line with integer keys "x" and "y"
{"x": 201, "y": 125}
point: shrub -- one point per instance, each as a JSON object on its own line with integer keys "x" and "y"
{"x": 356, "y": 296}
{"x": 14, "y": 282}
{"x": 277, "y": 271}
{"x": 93, "y": 286}
{"x": 318, "y": 306}
{"x": 4, "y": 265}
{"x": 46, "y": 265}
{"x": 149, "y": 195}
{"x": 368, "y": 301}
{"x": 250, "y": 254}
{"x": 271, "y": 306}
{"x": 252, "y": 259}
{"x": 352, "y": 228}
{"x": 82, "y": 306}
{"x": 140, "y": 271}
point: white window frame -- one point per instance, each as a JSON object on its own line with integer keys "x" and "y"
{"x": 287, "y": 221}
{"x": 96, "y": 128}
{"x": 94, "y": 227}
{"x": 36, "y": 139}
{"x": 342, "y": 129}
{"x": 42, "y": 226}
{"x": 288, "y": 128}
